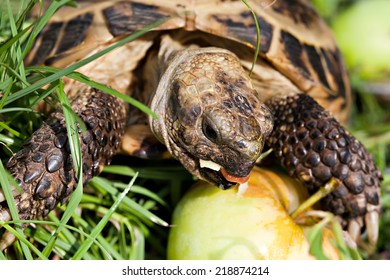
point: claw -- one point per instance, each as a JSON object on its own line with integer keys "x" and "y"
{"x": 348, "y": 240}
{"x": 6, "y": 240}
{"x": 5, "y": 215}
{"x": 372, "y": 226}
{"x": 15, "y": 192}
{"x": 354, "y": 228}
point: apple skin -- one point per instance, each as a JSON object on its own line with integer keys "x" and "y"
{"x": 362, "y": 32}
{"x": 209, "y": 223}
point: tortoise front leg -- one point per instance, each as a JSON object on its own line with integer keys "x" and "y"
{"x": 314, "y": 147}
{"x": 43, "y": 167}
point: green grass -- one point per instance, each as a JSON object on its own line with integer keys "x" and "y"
{"x": 125, "y": 212}
{"x": 103, "y": 223}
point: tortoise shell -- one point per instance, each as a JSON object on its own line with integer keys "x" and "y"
{"x": 295, "y": 44}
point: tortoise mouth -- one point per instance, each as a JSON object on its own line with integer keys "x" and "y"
{"x": 219, "y": 176}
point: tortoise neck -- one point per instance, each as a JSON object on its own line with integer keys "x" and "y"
{"x": 172, "y": 50}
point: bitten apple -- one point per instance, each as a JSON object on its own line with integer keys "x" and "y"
{"x": 246, "y": 223}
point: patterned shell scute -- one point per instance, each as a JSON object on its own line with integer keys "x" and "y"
{"x": 126, "y": 17}
{"x": 293, "y": 38}
{"x": 73, "y": 33}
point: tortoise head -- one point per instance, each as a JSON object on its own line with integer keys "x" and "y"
{"x": 211, "y": 118}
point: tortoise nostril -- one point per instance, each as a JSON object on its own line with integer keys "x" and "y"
{"x": 210, "y": 130}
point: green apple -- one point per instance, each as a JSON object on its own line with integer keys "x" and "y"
{"x": 210, "y": 223}
{"x": 363, "y": 35}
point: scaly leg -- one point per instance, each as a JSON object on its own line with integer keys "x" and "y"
{"x": 314, "y": 147}
{"x": 43, "y": 167}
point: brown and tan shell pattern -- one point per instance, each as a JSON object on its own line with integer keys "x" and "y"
{"x": 294, "y": 40}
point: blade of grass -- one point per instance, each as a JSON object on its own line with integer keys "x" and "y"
{"x": 165, "y": 173}
{"x": 122, "y": 241}
{"x": 127, "y": 229}
{"x": 24, "y": 242}
{"x": 46, "y": 240}
{"x": 4, "y": 84}
{"x": 103, "y": 245}
{"x": 84, "y": 79}
{"x": 18, "y": 51}
{"x": 72, "y": 130}
{"x": 120, "y": 170}
{"x": 109, "y": 250}
{"x": 88, "y": 224}
{"x": 4, "y": 47}
{"x": 21, "y": 76}
{"x": 138, "y": 252}
{"x": 337, "y": 240}
{"x": 2, "y": 256}
{"x": 74, "y": 144}
{"x": 23, "y": 11}
{"x": 85, "y": 246}
{"x": 42, "y": 22}
{"x": 6, "y": 140}
{"x": 257, "y": 47}
{"x": 11, "y": 50}
{"x": 7, "y": 190}
{"x": 162, "y": 173}
{"x": 143, "y": 191}
{"x": 65, "y": 233}
{"x": 15, "y": 109}
{"x": 68, "y": 70}
{"x": 315, "y": 237}
{"x": 5, "y": 126}
{"x": 142, "y": 212}
{"x": 44, "y": 95}
{"x": 346, "y": 252}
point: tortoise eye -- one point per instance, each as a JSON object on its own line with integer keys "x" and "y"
{"x": 210, "y": 130}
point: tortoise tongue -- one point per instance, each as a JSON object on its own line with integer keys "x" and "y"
{"x": 231, "y": 178}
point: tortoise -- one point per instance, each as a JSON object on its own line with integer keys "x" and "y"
{"x": 214, "y": 114}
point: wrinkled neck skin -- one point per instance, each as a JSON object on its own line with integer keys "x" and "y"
{"x": 209, "y": 116}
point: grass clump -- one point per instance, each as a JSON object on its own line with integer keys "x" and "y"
{"x": 109, "y": 219}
